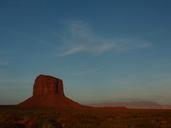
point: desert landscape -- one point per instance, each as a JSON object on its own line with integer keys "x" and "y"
{"x": 50, "y": 108}
{"x": 13, "y": 117}
{"x": 85, "y": 63}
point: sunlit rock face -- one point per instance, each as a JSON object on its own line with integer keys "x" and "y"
{"x": 47, "y": 85}
{"x": 48, "y": 93}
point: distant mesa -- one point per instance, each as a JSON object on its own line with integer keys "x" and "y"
{"x": 48, "y": 93}
{"x": 132, "y": 105}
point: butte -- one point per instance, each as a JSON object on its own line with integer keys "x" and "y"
{"x": 48, "y": 93}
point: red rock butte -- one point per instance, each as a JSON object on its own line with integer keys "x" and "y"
{"x": 48, "y": 93}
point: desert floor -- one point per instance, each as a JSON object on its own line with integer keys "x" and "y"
{"x": 14, "y": 117}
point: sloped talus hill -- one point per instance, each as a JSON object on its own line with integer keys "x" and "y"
{"x": 48, "y": 93}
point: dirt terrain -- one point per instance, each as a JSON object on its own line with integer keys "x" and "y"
{"x": 15, "y": 117}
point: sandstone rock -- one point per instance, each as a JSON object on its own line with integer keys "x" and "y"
{"x": 48, "y": 85}
{"x": 48, "y": 93}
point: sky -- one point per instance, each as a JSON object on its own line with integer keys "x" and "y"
{"x": 104, "y": 50}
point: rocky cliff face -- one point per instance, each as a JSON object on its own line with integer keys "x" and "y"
{"x": 47, "y": 85}
{"x": 48, "y": 93}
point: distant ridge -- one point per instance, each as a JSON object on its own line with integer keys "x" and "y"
{"x": 134, "y": 105}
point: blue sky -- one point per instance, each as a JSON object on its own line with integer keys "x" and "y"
{"x": 104, "y": 50}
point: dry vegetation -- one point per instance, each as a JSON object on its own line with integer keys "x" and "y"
{"x": 13, "y": 117}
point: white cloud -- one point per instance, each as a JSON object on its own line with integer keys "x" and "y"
{"x": 78, "y": 37}
{"x": 73, "y": 50}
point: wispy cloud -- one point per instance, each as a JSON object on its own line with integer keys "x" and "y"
{"x": 72, "y": 50}
{"x": 79, "y": 37}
